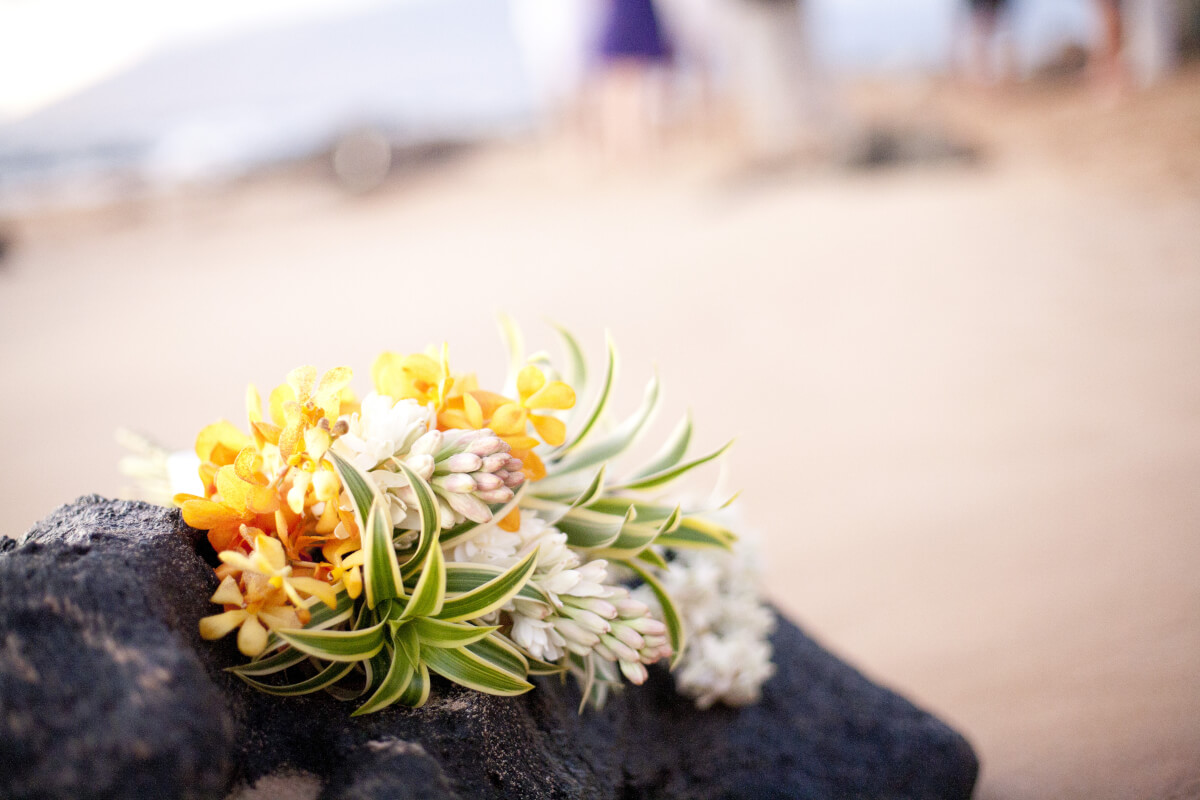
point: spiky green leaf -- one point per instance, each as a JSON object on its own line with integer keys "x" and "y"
{"x": 417, "y": 692}
{"x": 429, "y": 594}
{"x": 491, "y": 595}
{"x": 430, "y": 522}
{"x": 576, "y": 372}
{"x": 439, "y": 633}
{"x": 670, "y": 615}
{"x": 381, "y": 570}
{"x": 468, "y": 669}
{"x": 325, "y": 678}
{"x": 464, "y": 577}
{"x": 392, "y": 687}
{"x": 637, "y": 537}
{"x": 354, "y": 645}
{"x": 598, "y": 406}
{"x": 660, "y": 479}
{"x": 693, "y": 533}
{"x": 607, "y": 448}
{"x": 501, "y": 652}
{"x": 588, "y": 529}
{"x": 672, "y": 451}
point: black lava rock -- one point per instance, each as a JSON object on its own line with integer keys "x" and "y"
{"x": 106, "y": 690}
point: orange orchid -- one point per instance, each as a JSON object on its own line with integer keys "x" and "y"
{"x": 417, "y": 377}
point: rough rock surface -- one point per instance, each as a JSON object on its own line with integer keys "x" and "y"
{"x": 107, "y": 691}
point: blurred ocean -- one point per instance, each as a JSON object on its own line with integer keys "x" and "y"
{"x": 416, "y": 71}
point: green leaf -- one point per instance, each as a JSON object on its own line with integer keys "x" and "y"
{"x": 670, "y": 614}
{"x": 376, "y": 669}
{"x": 491, "y": 595}
{"x": 468, "y": 669}
{"x": 588, "y": 529}
{"x": 652, "y": 558}
{"x": 576, "y": 373}
{"x": 429, "y": 594}
{"x": 607, "y": 448}
{"x": 463, "y": 577}
{"x": 439, "y": 633}
{"x": 637, "y": 537}
{"x": 514, "y": 342}
{"x": 660, "y": 479}
{"x": 381, "y": 571}
{"x": 571, "y": 499}
{"x": 392, "y": 687}
{"x": 326, "y": 677}
{"x": 285, "y": 658}
{"x": 407, "y": 639}
{"x": 336, "y": 645}
{"x": 430, "y": 522}
{"x": 539, "y": 667}
{"x": 694, "y": 533}
{"x": 610, "y": 372}
{"x": 417, "y": 692}
{"x": 672, "y": 452}
{"x": 501, "y": 652}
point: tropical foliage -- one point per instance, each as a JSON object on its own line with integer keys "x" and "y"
{"x": 438, "y": 527}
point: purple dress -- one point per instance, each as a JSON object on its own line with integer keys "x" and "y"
{"x": 631, "y": 30}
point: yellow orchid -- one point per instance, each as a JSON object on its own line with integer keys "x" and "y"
{"x": 418, "y": 376}
{"x": 469, "y": 407}
{"x": 344, "y": 560}
{"x": 306, "y": 411}
{"x": 272, "y": 597}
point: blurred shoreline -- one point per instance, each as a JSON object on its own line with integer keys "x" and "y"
{"x": 966, "y": 389}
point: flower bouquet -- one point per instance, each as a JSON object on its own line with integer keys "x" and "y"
{"x": 438, "y": 527}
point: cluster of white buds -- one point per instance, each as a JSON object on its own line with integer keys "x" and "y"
{"x": 617, "y": 628}
{"x": 472, "y": 471}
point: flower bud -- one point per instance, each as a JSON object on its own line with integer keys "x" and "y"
{"x": 455, "y": 482}
{"x": 427, "y": 444}
{"x": 487, "y": 446}
{"x": 634, "y": 671}
{"x": 461, "y": 462}
{"x": 628, "y": 636}
{"x": 488, "y": 481}
{"x": 623, "y": 651}
{"x": 501, "y": 495}
{"x": 494, "y": 462}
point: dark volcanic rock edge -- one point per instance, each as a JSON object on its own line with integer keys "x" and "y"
{"x": 106, "y": 690}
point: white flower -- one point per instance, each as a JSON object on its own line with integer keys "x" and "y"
{"x": 381, "y": 429}
{"x": 728, "y": 657}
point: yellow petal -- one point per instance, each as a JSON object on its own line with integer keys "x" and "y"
{"x": 511, "y": 521}
{"x": 205, "y": 514}
{"x": 319, "y": 589}
{"x": 218, "y": 625}
{"x": 520, "y": 443}
{"x": 248, "y": 466}
{"x": 452, "y": 419}
{"x": 316, "y": 442}
{"x": 290, "y": 437}
{"x": 271, "y": 549}
{"x": 295, "y": 496}
{"x": 352, "y": 580}
{"x": 473, "y": 411}
{"x": 268, "y": 432}
{"x": 280, "y": 396}
{"x": 228, "y": 593}
{"x": 221, "y": 435}
{"x": 529, "y": 381}
{"x": 301, "y": 379}
{"x": 275, "y": 617}
{"x": 556, "y": 395}
{"x": 329, "y": 390}
{"x": 252, "y": 638}
{"x": 552, "y": 430}
{"x": 532, "y": 466}
{"x": 509, "y": 420}
{"x": 238, "y": 561}
{"x": 253, "y": 404}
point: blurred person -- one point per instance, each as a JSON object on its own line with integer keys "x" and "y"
{"x": 1108, "y": 68}
{"x": 772, "y": 76}
{"x": 991, "y": 55}
{"x": 633, "y": 50}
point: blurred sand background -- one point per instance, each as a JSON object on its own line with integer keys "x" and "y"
{"x": 967, "y": 395}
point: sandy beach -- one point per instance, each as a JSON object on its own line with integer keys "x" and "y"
{"x": 966, "y": 395}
